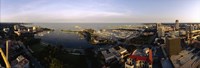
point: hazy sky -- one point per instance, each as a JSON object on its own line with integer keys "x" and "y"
{"x": 100, "y": 11}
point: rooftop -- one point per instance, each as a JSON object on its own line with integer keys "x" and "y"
{"x": 20, "y": 62}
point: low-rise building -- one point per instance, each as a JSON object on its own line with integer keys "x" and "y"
{"x": 20, "y": 62}
{"x": 108, "y": 56}
{"x": 140, "y": 59}
{"x": 122, "y": 51}
{"x": 117, "y": 53}
{"x": 189, "y": 58}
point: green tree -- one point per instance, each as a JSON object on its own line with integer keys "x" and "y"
{"x": 55, "y": 63}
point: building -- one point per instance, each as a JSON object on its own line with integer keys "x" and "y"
{"x": 113, "y": 54}
{"x": 161, "y": 31}
{"x": 6, "y": 29}
{"x": 20, "y": 62}
{"x": 34, "y": 28}
{"x": 122, "y": 51}
{"x": 189, "y": 58}
{"x": 108, "y": 56}
{"x": 196, "y": 44}
{"x": 158, "y": 25}
{"x": 140, "y": 59}
{"x": 177, "y": 25}
{"x": 16, "y": 27}
{"x": 189, "y": 33}
{"x": 173, "y": 46}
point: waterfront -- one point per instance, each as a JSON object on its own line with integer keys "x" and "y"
{"x": 68, "y": 40}
{"x": 72, "y": 26}
{"x": 100, "y": 34}
{"x": 72, "y": 39}
{"x": 94, "y": 47}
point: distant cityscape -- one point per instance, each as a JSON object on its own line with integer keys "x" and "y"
{"x": 140, "y": 45}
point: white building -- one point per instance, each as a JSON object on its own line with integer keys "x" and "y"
{"x": 129, "y": 63}
{"x": 20, "y": 62}
{"x": 108, "y": 56}
{"x": 161, "y": 31}
{"x": 16, "y": 27}
{"x": 117, "y": 53}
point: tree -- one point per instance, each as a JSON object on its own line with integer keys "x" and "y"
{"x": 55, "y": 63}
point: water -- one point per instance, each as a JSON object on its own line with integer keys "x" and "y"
{"x": 68, "y": 40}
{"x": 71, "y": 40}
{"x": 71, "y": 26}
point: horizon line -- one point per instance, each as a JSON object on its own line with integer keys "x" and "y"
{"x": 98, "y": 22}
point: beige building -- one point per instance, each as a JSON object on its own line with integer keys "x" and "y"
{"x": 177, "y": 24}
{"x": 173, "y": 46}
{"x": 161, "y": 31}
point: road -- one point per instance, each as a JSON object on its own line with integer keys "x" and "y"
{"x": 32, "y": 59}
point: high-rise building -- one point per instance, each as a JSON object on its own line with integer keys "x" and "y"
{"x": 16, "y": 27}
{"x": 189, "y": 33}
{"x": 177, "y": 25}
{"x": 161, "y": 31}
{"x": 158, "y": 25}
{"x": 173, "y": 46}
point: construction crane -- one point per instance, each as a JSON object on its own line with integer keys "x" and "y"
{"x": 5, "y": 59}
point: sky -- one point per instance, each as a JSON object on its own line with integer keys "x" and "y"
{"x": 99, "y": 11}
